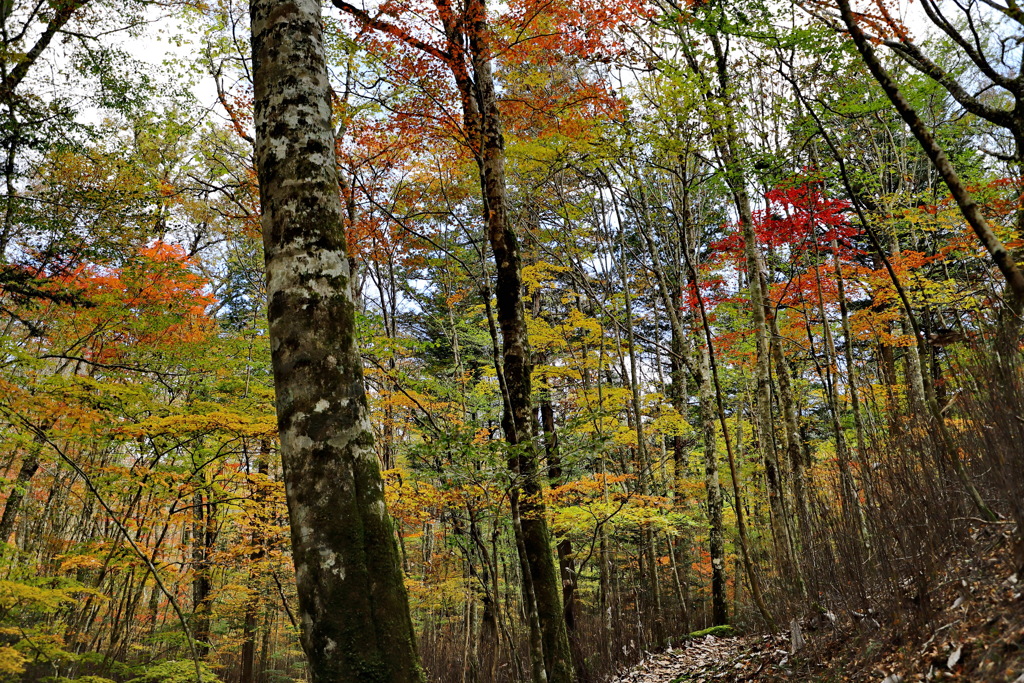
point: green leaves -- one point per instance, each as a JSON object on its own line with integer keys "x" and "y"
{"x": 175, "y": 671}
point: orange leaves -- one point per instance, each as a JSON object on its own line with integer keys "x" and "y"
{"x": 541, "y": 52}
{"x": 415, "y": 501}
{"x": 587, "y": 487}
{"x": 540, "y": 31}
{"x": 216, "y": 421}
{"x": 880, "y": 19}
{"x": 72, "y": 563}
{"x": 156, "y": 301}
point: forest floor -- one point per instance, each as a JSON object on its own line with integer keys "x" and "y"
{"x": 975, "y": 633}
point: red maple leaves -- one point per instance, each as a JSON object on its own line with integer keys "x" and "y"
{"x": 797, "y": 218}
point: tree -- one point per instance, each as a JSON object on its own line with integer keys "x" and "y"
{"x": 467, "y": 53}
{"x": 353, "y": 606}
{"x": 969, "y": 207}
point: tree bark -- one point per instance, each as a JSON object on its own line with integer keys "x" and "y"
{"x": 29, "y": 466}
{"x": 566, "y": 563}
{"x": 203, "y": 538}
{"x": 352, "y": 601}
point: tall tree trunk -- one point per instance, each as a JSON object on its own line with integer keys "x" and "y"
{"x": 468, "y": 57}
{"x": 741, "y": 525}
{"x": 701, "y": 373}
{"x": 680, "y": 456}
{"x": 489, "y": 596}
{"x": 653, "y": 585}
{"x": 851, "y": 385}
{"x": 563, "y": 547}
{"x": 352, "y": 601}
{"x": 203, "y": 537}
{"x": 765, "y": 325}
{"x": 970, "y": 209}
{"x": 716, "y": 541}
{"x": 848, "y": 487}
{"x": 516, "y": 365}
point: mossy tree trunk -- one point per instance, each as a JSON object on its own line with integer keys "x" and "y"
{"x": 354, "y": 610}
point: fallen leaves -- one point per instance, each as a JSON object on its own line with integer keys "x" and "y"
{"x": 710, "y": 659}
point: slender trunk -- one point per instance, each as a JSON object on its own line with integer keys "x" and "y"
{"x": 766, "y": 331}
{"x": 566, "y": 563}
{"x": 538, "y": 667}
{"x": 261, "y": 518}
{"x": 516, "y": 366}
{"x": 741, "y": 525}
{"x": 701, "y": 374}
{"x": 202, "y": 547}
{"x": 680, "y": 457}
{"x": 847, "y": 485}
{"x": 489, "y": 633}
{"x": 851, "y": 384}
{"x": 653, "y": 586}
{"x": 716, "y": 542}
{"x": 791, "y": 431}
{"x": 965, "y": 201}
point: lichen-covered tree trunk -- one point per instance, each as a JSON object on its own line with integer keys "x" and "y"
{"x": 354, "y": 610}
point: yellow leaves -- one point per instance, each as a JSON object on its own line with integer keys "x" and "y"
{"x": 541, "y": 274}
{"x": 215, "y": 421}
{"x": 575, "y": 329}
{"x": 13, "y": 593}
{"x": 670, "y": 423}
{"x": 71, "y": 563}
{"x": 938, "y": 292}
{"x": 660, "y": 418}
{"x": 591, "y": 486}
{"x": 600, "y": 424}
{"x": 12, "y": 662}
{"x": 579, "y": 506}
{"x": 431, "y": 595}
{"x": 543, "y": 336}
{"x": 26, "y": 596}
{"x": 412, "y": 502}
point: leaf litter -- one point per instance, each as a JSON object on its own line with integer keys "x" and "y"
{"x": 975, "y": 635}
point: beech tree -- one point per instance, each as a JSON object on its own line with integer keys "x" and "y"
{"x": 353, "y": 607}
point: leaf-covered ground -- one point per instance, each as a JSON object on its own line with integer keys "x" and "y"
{"x": 750, "y": 658}
{"x": 968, "y": 628}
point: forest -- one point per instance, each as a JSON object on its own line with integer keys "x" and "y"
{"x": 445, "y": 340}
